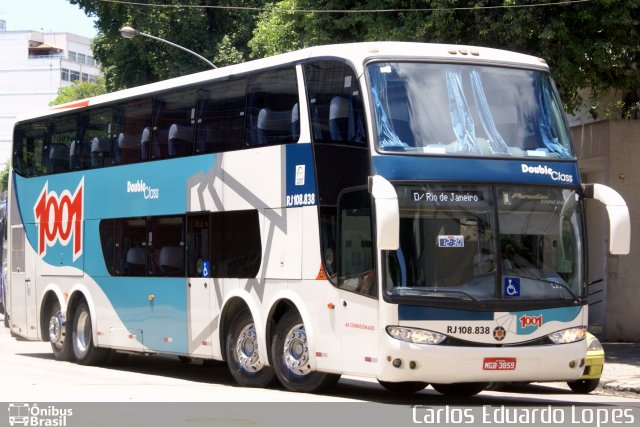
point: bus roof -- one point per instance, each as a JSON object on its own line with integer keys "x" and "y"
{"x": 356, "y": 53}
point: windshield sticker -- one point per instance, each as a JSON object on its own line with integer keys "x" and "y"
{"x": 451, "y": 241}
{"x": 511, "y": 287}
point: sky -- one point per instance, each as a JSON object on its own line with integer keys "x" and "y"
{"x": 46, "y": 16}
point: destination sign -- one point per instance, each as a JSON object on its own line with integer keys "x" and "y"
{"x": 446, "y": 197}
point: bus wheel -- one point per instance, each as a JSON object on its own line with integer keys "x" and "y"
{"x": 404, "y": 387}
{"x": 584, "y": 386}
{"x": 290, "y": 356}
{"x": 460, "y": 389}
{"x": 242, "y": 353}
{"x": 84, "y": 350}
{"x": 62, "y": 349}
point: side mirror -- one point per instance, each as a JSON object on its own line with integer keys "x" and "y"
{"x": 387, "y": 213}
{"x": 619, "y": 222}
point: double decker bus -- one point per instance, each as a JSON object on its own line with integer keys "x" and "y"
{"x": 411, "y": 213}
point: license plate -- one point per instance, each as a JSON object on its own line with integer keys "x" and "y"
{"x": 499, "y": 363}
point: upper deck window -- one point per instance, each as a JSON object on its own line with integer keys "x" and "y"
{"x": 467, "y": 110}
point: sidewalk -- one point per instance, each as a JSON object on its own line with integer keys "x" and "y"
{"x": 621, "y": 368}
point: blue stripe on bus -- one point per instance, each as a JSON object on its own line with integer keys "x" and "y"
{"x": 157, "y": 306}
{"x": 407, "y": 168}
{"x": 301, "y": 177}
{"x": 413, "y": 312}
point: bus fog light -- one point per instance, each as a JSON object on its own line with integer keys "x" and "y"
{"x": 570, "y": 335}
{"x": 415, "y": 335}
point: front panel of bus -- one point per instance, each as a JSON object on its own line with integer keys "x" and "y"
{"x": 488, "y": 279}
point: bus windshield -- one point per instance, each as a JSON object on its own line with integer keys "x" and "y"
{"x": 467, "y": 110}
{"x": 487, "y": 243}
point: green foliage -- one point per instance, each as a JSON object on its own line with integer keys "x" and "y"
{"x": 79, "y": 90}
{"x": 212, "y": 33}
{"x": 587, "y": 45}
{"x": 282, "y": 30}
{"x": 4, "y": 181}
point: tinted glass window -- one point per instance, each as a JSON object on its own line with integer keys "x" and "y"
{"x": 272, "y": 108}
{"x": 356, "y": 249}
{"x": 28, "y": 155}
{"x": 165, "y": 254}
{"x": 131, "y": 247}
{"x": 107, "y": 238}
{"x": 237, "y": 247}
{"x": 95, "y": 147}
{"x": 61, "y": 134}
{"x": 335, "y": 103}
{"x": 221, "y": 117}
{"x": 132, "y": 130}
{"x": 174, "y": 120}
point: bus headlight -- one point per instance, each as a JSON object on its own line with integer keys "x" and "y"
{"x": 415, "y": 335}
{"x": 570, "y": 335}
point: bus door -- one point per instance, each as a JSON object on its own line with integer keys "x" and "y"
{"x": 358, "y": 306}
{"x": 22, "y": 292}
{"x": 200, "y": 286}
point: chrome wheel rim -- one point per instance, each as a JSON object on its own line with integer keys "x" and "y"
{"x": 56, "y": 335}
{"x": 83, "y": 332}
{"x": 296, "y": 350}
{"x": 246, "y": 349}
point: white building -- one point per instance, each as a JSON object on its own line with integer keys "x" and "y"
{"x": 33, "y": 66}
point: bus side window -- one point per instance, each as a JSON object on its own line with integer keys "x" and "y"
{"x": 130, "y": 247}
{"x": 236, "y": 244}
{"x": 61, "y": 132}
{"x": 335, "y": 103}
{"x": 28, "y": 159}
{"x": 272, "y": 108}
{"x": 355, "y": 248}
{"x": 173, "y": 125}
{"x": 165, "y": 246}
{"x": 94, "y": 147}
{"x": 132, "y": 129}
{"x": 220, "y": 117}
{"x": 107, "y": 239}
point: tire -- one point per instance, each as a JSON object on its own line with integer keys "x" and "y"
{"x": 404, "y": 387}
{"x": 58, "y": 334}
{"x": 584, "y": 386}
{"x": 460, "y": 389}
{"x": 242, "y": 353}
{"x": 85, "y": 352}
{"x": 290, "y": 357}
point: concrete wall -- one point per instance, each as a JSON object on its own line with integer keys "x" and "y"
{"x": 610, "y": 150}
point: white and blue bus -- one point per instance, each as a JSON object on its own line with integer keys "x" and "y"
{"x": 411, "y": 213}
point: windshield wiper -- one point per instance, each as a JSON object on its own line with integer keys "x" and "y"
{"x": 550, "y": 282}
{"x": 433, "y": 292}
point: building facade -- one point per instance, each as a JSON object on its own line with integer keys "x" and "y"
{"x": 608, "y": 151}
{"x": 33, "y": 66}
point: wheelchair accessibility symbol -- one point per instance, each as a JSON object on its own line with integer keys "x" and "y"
{"x": 511, "y": 287}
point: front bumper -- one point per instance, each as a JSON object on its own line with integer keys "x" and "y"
{"x": 448, "y": 364}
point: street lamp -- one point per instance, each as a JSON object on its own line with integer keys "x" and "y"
{"x": 129, "y": 33}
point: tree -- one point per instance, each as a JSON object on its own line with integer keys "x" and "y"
{"x": 211, "y": 32}
{"x": 79, "y": 90}
{"x": 4, "y": 181}
{"x": 587, "y": 45}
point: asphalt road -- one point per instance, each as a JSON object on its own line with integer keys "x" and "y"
{"x": 29, "y": 373}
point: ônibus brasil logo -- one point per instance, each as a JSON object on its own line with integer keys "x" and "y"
{"x": 59, "y": 218}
